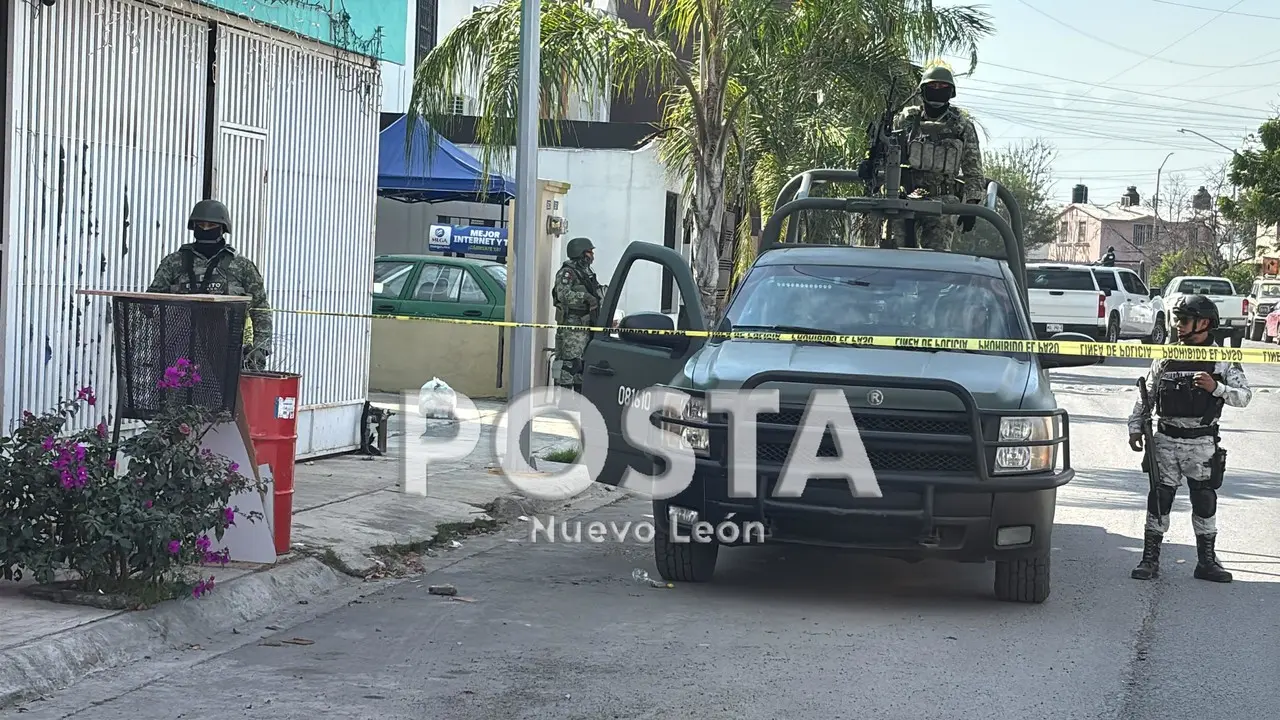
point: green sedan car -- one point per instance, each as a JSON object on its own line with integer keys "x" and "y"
{"x": 438, "y": 286}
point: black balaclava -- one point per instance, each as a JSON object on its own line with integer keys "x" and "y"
{"x": 937, "y": 101}
{"x": 209, "y": 242}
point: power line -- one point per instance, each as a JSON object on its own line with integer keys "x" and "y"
{"x": 1107, "y": 87}
{"x": 1075, "y": 98}
{"x": 1147, "y": 58}
{"x": 1224, "y": 12}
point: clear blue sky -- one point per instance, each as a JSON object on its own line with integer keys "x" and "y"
{"x": 1110, "y": 82}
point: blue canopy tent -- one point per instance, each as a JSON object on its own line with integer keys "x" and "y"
{"x": 433, "y": 175}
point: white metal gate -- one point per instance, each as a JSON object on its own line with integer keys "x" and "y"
{"x": 240, "y": 182}
{"x": 108, "y": 158}
{"x": 316, "y": 119}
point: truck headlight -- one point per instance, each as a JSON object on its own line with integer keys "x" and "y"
{"x": 1031, "y": 458}
{"x": 695, "y": 438}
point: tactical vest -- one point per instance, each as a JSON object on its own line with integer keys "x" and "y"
{"x": 1178, "y": 396}
{"x": 591, "y": 286}
{"x": 935, "y": 146}
{"x": 207, "y": 285}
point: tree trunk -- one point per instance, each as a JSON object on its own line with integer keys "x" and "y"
{"x": 709, "y": 166}
{"x": 708, "y": 221}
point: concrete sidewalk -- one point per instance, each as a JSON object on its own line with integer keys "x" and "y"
{"x": 350, "y": 517}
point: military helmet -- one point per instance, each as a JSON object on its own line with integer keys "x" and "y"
{"x": 938, "y": 73}
{"x": 1197, "y": 307}
{"x": 579, "y": 246}
{"x": 210, "y": 211}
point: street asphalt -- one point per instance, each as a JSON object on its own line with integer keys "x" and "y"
{"x": 562, "y": 631}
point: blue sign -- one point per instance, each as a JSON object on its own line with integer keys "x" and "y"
{"x": 468, "y": 239}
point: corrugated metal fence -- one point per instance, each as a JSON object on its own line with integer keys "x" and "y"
{"x": 110, "y": 129}
{"x": 109, "y": 124}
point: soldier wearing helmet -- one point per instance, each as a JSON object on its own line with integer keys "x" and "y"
{"x": 577, "y": 296}
{"x": 210, "y": 265}
{"x": 943, "y": 152}
{"x": 1188, "y": 397}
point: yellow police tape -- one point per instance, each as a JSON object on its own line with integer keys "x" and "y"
{"x": 1211, "y": 353}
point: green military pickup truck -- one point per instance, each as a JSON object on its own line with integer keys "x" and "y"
{"x": 968, "y": 447}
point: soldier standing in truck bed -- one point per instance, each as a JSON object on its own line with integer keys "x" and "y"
{"x": 943, "y": 152}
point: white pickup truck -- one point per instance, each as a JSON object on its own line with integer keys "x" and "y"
{"x": 1233, "y": 309}
{"x": 1107, "y": 303}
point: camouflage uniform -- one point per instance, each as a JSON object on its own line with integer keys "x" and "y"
{"x": 942, "y": 149}
{"x": 1185, "y": 445}
{"x": 188, "y": 271}
{"x": 577, "y": 295}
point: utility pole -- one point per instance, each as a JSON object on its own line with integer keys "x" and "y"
{"x": 1155, "y": 203}
{"x": 524, "y": 240}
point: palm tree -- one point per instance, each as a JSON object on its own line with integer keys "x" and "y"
{"x": 755, "y": 63}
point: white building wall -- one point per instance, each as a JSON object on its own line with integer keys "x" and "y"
{"x": 615, "y": 197}
{"x": 109, "y": 157}
{"x": 397, "y": 80}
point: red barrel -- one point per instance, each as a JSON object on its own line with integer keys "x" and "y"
{"x": 271, "y": 407}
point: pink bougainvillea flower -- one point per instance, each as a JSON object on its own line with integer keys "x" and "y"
{"x": 175, "y": 546}
{"x": 229, "y": 516}
{"x": 86, "y": 394}
{"x": 185, "y": 429}
{"x": 203, "y": 543}
{"x": 147, "y": 504}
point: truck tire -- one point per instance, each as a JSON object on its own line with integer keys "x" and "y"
{"x": 1159, "y": 333}
{"x": 1024, "y": 580}
{"x": 683, "y": 561}
{"x": 1255, "y": 331}
{"x": 1237, "y": 339}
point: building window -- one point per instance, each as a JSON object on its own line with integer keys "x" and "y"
{"x": 1080, "y": 226}
{"x": 425, "y": 38}
{"x": 1141, "y": 235}
{"x": 458, "y": 106}
{"x": 1064, "y": 232}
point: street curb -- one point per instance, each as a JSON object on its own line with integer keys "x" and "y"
{"x": 55, "y": 662}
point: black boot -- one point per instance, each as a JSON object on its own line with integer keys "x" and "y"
{"x": 1209, "y": 568}
{"x": 1149, "y": 567}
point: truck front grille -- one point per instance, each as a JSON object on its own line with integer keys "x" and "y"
{"x": 882, "y": 460}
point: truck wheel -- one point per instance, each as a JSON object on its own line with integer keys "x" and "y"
{"x": 1159, "y": 333}
{"x": 1255, "y": 331}
{"x": 1025, "y": 580}
{"x": 1237, "y": 339}
{"x": 683, "y": 561}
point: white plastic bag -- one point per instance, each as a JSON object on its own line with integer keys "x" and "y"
{"x": 437, "y": 400}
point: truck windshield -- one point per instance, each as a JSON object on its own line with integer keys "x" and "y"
{"x": 1059, "y": 279}
{"x": 1269, "y": 291}
{"x": 1205, "y": 287}
{"x": 901, "y": 302}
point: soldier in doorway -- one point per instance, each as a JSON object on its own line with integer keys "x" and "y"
{"x": 942, "y": 150}
{"x": 1188, "y": 398}
{"x": 577, "y": 296}
{"x": 209, "y": 265}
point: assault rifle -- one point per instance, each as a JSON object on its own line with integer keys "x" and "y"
{"x": 1148, "y": 437}
{"x": 882, "y": 171}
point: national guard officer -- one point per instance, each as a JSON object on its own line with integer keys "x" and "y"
{"x": 210, "y": 265}
{"x": 942, "y": 150}
{"x": 577, "y": 296}
{"x": 1188, "y": 398}
{"x": 1109, "y": 260}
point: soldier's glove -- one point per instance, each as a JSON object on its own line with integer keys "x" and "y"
{"x": 1135, "y": 441}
